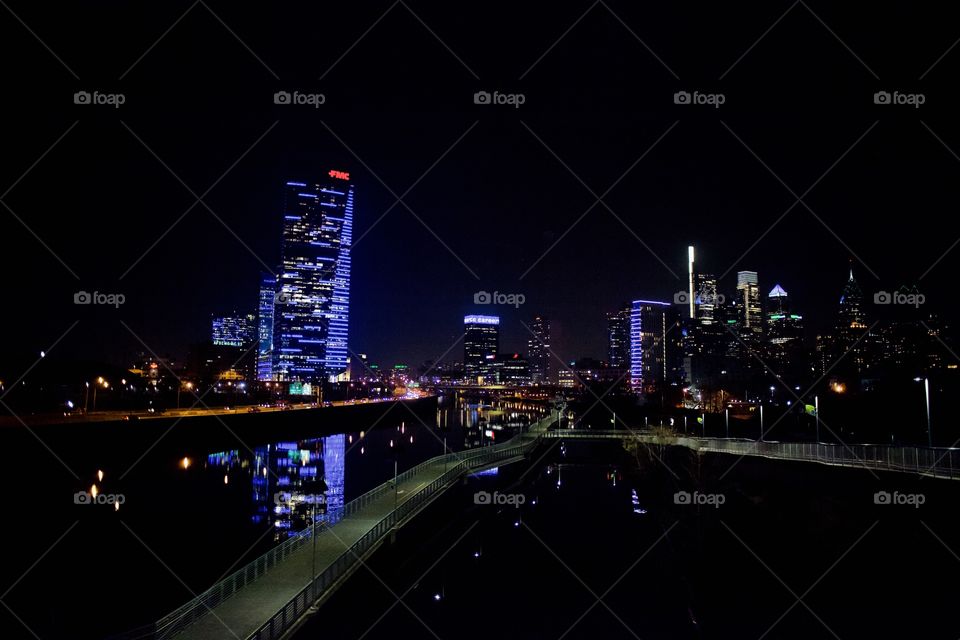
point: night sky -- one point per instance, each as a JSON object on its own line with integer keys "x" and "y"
{"x": 494, "y": 187}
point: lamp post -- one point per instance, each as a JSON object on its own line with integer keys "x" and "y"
{"x": 761, "y": 422}
{"x": 816, "y": 414}
{"x": 726, "y": 420}
{"x": 926, "y": 395}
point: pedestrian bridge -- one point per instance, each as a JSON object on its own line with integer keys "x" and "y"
{"x": 936, "y": 462}
{"x": 267, "y": 597}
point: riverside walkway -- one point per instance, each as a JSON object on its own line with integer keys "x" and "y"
{"x": 264, "y": 599}
{"x": 936, "y": 462}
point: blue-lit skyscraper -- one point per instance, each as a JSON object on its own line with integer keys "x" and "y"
{"x": 651, "y": 347}
{"x": 312, "y": 303}
{"x": 268, "y": 291}
{"x": 235, "y": 330}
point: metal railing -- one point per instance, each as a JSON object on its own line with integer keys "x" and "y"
{"x": 458, "y": 463}
{"x": 937, "y": 462}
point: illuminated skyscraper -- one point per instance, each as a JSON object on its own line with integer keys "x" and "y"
{"x": 750, "y": 316}
{"x": 237, "y": 330}
{"x": 651, "y": 349}
{"x": 268, "y": 291}
{"x": 538, "y": 349}
{"x": 707, "y": 299}
{"x": 481, "y": 342}
{"x": 852, "y": 321}
{"x": 312, "y": 305}
{"x": 785, "y": 335}
{"x": 618, "y": 338}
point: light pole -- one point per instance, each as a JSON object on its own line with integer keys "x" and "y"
{"x": 726, "y": 420}
{"x": 761, "y": 422}
{"x": 816, "y": 414}
{"x": 926, "y": 395}
{"x": 100, "y": 381}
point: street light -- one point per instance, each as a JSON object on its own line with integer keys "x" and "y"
{"x": 761, "y": 423}
{"x": 926, "y": 393}
{"x": 816, "y": 412}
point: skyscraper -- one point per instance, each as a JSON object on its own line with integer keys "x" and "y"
{"x": 538, "y": 350}
{"x": 851, "y": 326}
{"x": 707, "y": 299}
{"x": 268, "y": 291}
{"x": 851, "y": 320}
{"x": 750, "y": 316}
{"x": 785, "y": 337}
{"x": 618, "y": 338}
{"x": 651, "y": 351}
{"x": 481, "y": 342}
{"x": 312, "y": 305}
{"x": 237, "y": 330}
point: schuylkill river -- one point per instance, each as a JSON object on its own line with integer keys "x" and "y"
{"x": 597, "y": 521}
{"x": 191, "y": 513}
{"x": 773, "y": 549}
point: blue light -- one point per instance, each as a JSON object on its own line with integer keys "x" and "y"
{"x": 476, "y": 319}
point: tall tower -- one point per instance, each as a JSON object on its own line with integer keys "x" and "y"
{"x": 748, "y": 303}
{"x": 618, "y": 338}
{"x": 481, "y": 342}
{"x": 268, "y": 291}
{"x": 538, "y": 350}
{"x": 650, "y": 348}
{"x": 312, "y": 304}
{"x": 851, "y": 320}
{"x": 691, "y": 293}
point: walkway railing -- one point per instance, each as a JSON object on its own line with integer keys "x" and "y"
{"x": 938, "y": 462}
{"x": 459, "y": 463}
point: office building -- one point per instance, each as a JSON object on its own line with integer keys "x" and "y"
{"x": 268, "y": 291}
{"x": 237, "y": 330}
{"x": 749, "y": 312}
{"x": 654, "y": 348}
{"x": 538, "y": 348}
{"x": 618, "y": 339}
{"x": 481, "y": 342}
{"x": 312, "y": 304}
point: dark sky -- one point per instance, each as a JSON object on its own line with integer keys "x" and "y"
{"x": 488, "y": 207}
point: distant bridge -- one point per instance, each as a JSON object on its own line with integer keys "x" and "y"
{"x": 936, "y": 462}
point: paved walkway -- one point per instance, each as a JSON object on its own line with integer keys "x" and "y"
{"x": 251, "y": 607}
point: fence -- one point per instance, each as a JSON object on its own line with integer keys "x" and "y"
{"x": 938, "y": 462}
{"x": 458, "y": 463}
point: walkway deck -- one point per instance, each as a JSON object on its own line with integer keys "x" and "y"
{"x": 265, "y": 598}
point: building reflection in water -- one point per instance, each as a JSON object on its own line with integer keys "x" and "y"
{"x": 292, "y": 482}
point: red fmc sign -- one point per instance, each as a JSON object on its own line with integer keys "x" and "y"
{"x": 340, "y": 175}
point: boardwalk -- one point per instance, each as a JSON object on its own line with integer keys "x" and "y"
{"x": 935, "y": 462}
{"x": 265, "y": 598}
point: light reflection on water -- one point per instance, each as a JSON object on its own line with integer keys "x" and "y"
{"x": 291, "y": 483}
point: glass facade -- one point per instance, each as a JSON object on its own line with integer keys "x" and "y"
{"x": 481, "y": 342}
{"x": 237, "y": 330}
{"x": 268, "y": 291}
{"x": 538, "y": 349}
{"x": 649, "y": 325}
{"x": 312, "y": 303}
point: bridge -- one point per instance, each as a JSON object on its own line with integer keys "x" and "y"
{"x": 267, "y": 597}
{"x": 936, "y": 462}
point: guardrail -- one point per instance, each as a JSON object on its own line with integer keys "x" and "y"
{"x": 459, "y": 463}
{"x": 937, "y": 462}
